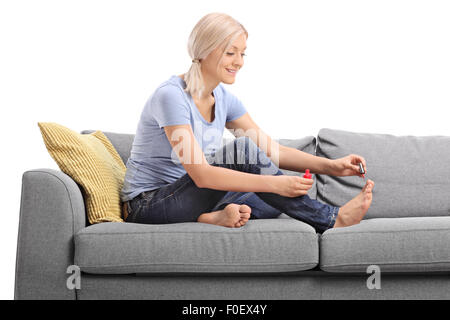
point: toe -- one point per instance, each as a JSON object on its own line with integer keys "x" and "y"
{"x": 368, "y": 187}
{"x": 245, "y": 215}
{"x": 245, "y": 208}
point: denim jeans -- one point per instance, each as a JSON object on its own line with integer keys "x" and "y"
{"x": 183, "y": 201}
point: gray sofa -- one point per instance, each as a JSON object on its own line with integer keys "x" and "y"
{"x": 406, "y": 234}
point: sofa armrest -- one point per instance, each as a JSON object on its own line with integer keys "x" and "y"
{"x": 51, "y": 212}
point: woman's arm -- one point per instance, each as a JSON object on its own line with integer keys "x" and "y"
{"x": 284, "y": 157}
{"x": 296, "y": 160}
{"x": 191, "y": 156}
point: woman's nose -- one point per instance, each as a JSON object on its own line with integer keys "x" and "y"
{"x": 239, "y": 61}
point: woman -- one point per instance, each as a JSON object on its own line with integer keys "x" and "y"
{"x": 178, "y": 171}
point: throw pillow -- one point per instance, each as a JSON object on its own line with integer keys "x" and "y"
{"x": 91, "y": 161}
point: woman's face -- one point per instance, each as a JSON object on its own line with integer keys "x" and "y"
{"x": 232, "y": 60}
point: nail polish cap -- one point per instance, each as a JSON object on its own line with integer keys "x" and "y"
{"x": 307, "y": 175}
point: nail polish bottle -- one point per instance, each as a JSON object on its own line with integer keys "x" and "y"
{"x": 307, "y": 175}
{"x": 361, "y": 170}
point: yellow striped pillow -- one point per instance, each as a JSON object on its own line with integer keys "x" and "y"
{"x": 93, "y": 162}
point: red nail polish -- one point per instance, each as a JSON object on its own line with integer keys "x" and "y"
{"x": 307, "y": 175}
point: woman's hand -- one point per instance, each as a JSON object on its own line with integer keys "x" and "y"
{"x": 347, "y": 166}
{"x": 292, "y": 186}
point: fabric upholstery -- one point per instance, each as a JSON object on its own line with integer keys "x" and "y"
{"x": 194, "y": 287}
{"x": 403, "y": 286}
{"x": 303, "y": 286}
{"x": 410, "y": 173}
{"x": 418, "y": 244}
{"x": 51, "y": 211}
{"x": 93, "y": 163}
{"x": 265, "y": 245}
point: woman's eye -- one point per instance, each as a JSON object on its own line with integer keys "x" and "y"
{"x": 231, "y": 53}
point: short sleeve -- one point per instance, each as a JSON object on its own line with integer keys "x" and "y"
{"x": 169, "y": 107}
{"x": 235, "y": 108}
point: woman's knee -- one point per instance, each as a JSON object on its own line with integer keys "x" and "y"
{"x": 243, "y": 151}
{"x": 243, "y": 142}
{"x": 246, "y": 149}
{"x": 238, "y": 151}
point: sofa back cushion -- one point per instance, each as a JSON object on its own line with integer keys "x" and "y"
{"x": 410, "y": 173}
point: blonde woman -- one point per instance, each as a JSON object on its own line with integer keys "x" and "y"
{"x": 178, "y": 170}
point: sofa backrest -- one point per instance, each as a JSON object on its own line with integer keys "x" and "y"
{"x": 411, "y": 173}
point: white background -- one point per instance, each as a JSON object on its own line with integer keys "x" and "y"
{"x": 364, "y": 66}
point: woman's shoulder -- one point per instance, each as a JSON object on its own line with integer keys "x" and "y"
{"x": 169, "y": 90}
{"x": 171, "y": 84}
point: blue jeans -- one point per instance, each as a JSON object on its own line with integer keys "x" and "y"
{"x": 183, "y": 201}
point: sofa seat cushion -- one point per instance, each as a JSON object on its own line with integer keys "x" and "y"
{"x": 262, "y": 245}
{"x": 394, "y": 244}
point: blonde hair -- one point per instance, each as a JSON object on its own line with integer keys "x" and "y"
{"x": 210, "y": 32}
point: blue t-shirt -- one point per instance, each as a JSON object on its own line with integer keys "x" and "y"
{"x": 152, "y": 162}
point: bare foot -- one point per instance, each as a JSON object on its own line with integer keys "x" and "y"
{"x": 232, "y": 216}
{"x": 245, "y": 211}
{"x": 353, "y": 211}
